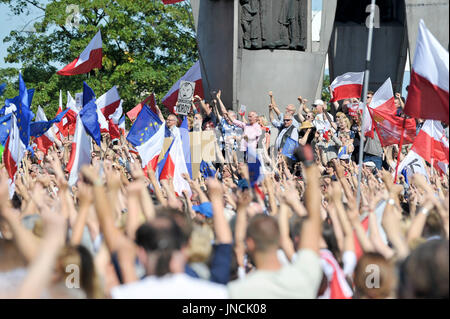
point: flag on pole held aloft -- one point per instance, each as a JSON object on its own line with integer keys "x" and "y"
{"x": 23, "y": 112}
{"x": 10, "y": 104}
{"x": 113, "y": 122}
{"x": 151, "y": 149}
{"x": 431, "y": 143}
{"x": 428, "y": 89}
{"x": 289, "y": 147}
{"x": 145, "y": 126}
{"x": 109, "y": 102}
{"x": 174, "y": 167}
{"x": 89, "y": 117}
{"x": 150, "y": 101}
{"x": 255, "y": 169}
{"x": 185, "y": 139}
{"x": 347, "y": 86}
{"x": 194, "y": 74}
{"x": 387, "y": 124}
{"x": 12, "y": 154}
{"x": 90, "y": 58}
{"x": 122, "y": 125}
{"x": 41, "y": 125}
{"x": 68, "y": 123}
{"x": 81, "y": 151}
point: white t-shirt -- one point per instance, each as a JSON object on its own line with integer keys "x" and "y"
{"x": 299, "y": 280}
{"x": 172, "y": 286}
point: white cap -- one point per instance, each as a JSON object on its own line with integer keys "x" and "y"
{"x": 318, "y": 102}
{"x": 344, "y": 157}
{"x": 370, "y": 164}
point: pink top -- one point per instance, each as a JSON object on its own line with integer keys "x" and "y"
{"x": 253, "y": 133}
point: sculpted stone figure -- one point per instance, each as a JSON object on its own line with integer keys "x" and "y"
{"x": 270, "y": 24}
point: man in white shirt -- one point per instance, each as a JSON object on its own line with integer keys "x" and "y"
{"x": 322, "y": 120}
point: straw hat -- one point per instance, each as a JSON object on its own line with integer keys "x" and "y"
{"x": 306, "y": 125}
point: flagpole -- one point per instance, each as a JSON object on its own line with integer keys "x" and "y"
{"x": 366, "y": 89}
{"x": 400, "y": 149}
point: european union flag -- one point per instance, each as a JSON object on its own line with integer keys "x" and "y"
{"x": 89, "y": 117}
{"x": 144, "y": 127}
{"x": 207, "y": 170}
{"x": 39, "y": 128}
{"x": 2, "y": 88}
{"x": 186, "y": 141}
{"x": 5, "y": 128}
{"x": 23, "y": 112}
{"x": 88, "y": 94}
{"x": 289, "y": 147}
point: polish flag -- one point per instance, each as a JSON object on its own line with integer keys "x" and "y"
{"x": 428, "y": 90}
{"x": 68, "y": 122}
{"x": 90, "y": 58}
{"x": 122, "y": 125}
{"x": 385, "y": 121}
{"x": 174, "y": 166}
{"x": 431, "y": 143}
{"x": 193, "y": 75}
{"x": 44, "y": 142}
{"x": 114, "y": 121}
{"x": 13, "y": 154}
{"x": 151, "y": 149}
{"x": 384, "y": 99}
{"x": 338, "y": 287}
{"x": 81, "y": 152}
{"x": 109, "y": 102}
{"x": 347, "y": 86}
{"x": 150, "y": 101}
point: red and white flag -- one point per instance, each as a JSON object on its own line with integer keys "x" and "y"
{"x": 150, "y": 101}
{"x": 193, "y": 75}
{"x": 151, "y": 149}
{"x": 68, "y": 122}
{"x": 109, "y": 102}
{"x": 338, "y": 288}
{"x": 90, "y": 58}
{"x": 431, "y": 143}
{"x": 347, "y": 86}
{"x": 44, "y": 142}
{"x": 114, "y": 121}
{"x": 386, "y": 123}
{"x": 428, "y": 89}
{"x": 81, "y": 152}
{"x": 175, "y": 167}
{"x": 13, "y": 154}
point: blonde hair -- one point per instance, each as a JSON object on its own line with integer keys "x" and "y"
{"x": 200, "y": 246}
{"x": 263, "y": 120}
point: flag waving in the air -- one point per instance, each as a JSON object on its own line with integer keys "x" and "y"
{"x": 347, "y": 86}
{"x": 428, "y": 89}
{"x": 90, "y": 58}
{"x": 193, "y": 75}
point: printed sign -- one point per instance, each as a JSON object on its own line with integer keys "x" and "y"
{"x": 185, "y": 95}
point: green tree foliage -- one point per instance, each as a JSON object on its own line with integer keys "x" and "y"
{"x": 147, "y": 46}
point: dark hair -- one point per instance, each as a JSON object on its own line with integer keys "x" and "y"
{"x": 331, "y": 241}
{"x": 264, "y": 231}
{"x": 88, "y": 275}
{"x": 425, "y": 272}
{"x": 162, "y": 236}
{"x": 367, "y": 264}
{"x": 16, "y": 201}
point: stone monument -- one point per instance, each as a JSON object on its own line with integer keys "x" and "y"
{"x": 251, "y": 47}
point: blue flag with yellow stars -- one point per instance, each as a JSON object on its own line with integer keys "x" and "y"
{"x": 207, "y": 170}
{"x": 146, "y": 125}
{"x": 23, "y": 112}
{"x": 5, "y": 127}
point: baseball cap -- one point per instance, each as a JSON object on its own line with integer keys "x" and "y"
{"x": 318, "y": 102}
{"x": 370, "y": 164}
{"x": 204, "y": 209}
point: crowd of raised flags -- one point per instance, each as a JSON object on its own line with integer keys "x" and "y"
{"x": 428, "y": 99}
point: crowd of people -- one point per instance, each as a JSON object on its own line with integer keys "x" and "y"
{"x": 299, "y": 233}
